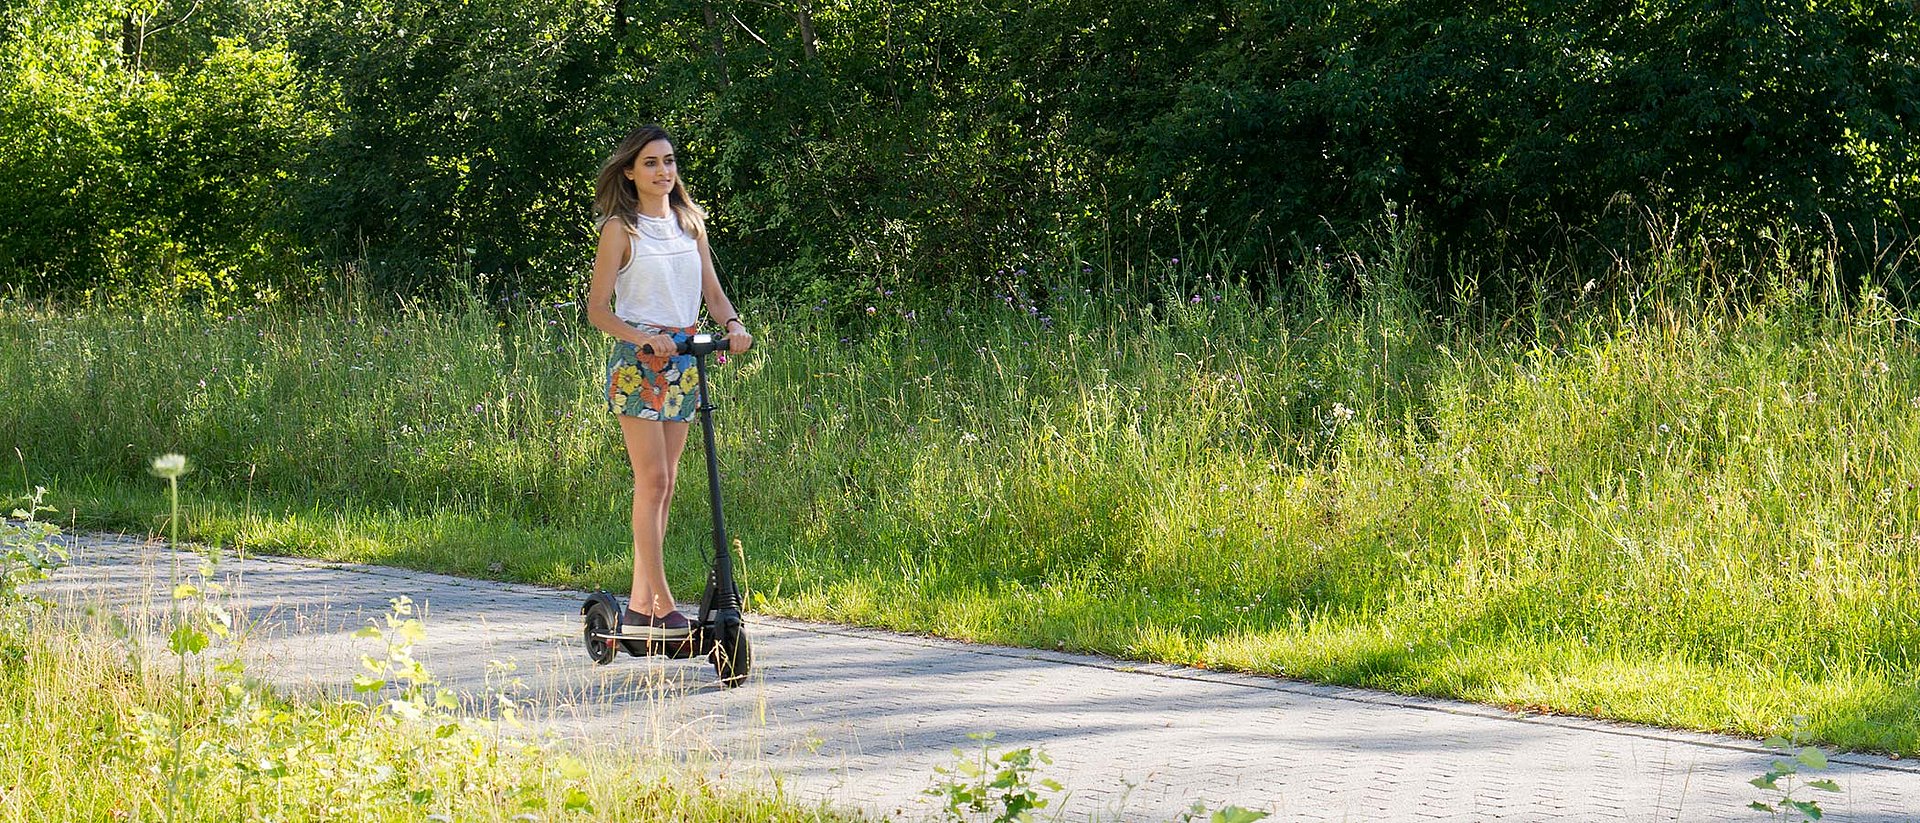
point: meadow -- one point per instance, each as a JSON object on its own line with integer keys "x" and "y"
{"x": 1694, "y": 509}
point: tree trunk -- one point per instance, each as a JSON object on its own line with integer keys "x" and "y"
{"x": 719, "y": 43}
{"x": 805, "y": 17}
{"x": 133, "y": 43}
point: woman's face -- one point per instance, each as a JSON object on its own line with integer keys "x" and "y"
{"x": 654, "y": 172}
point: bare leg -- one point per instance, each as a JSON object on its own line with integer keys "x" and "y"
{"x": 676, "y": 443}
{"x": 653, "y": 449}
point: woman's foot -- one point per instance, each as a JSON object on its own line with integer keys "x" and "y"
{"x": 671, "y": 625}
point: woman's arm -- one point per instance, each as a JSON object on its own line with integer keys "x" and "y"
{"x": 607, "y": 262}
{"x": 718, "y": 306}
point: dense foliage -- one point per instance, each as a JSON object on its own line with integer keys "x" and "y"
{"x": 229, "y": 148}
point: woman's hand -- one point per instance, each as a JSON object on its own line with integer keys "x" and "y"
{"x": 663, "y": 344}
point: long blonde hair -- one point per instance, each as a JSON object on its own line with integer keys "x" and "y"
{"x": 615, "y": 197}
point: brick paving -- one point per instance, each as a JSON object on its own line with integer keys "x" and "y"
{"x": 859, "y": 718}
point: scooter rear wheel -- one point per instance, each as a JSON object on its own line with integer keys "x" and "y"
{"x": 601, "y": 620}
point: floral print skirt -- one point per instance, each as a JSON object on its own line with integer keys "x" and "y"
{"x": 659, "y": 386}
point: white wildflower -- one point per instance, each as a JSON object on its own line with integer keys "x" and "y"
{"x": 170, "y": 465}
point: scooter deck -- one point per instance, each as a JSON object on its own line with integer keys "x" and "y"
{"x": 642, "y": 638}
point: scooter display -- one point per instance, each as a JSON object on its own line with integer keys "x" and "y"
{"x": 718, "y": 632}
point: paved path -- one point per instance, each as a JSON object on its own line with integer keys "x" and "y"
{"x": 860, "y": 718}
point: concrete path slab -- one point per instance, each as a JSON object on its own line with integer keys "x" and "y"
{"x": 861, "y": 718}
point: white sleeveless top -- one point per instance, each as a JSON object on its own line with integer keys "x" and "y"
{"x": 660, "y": 285}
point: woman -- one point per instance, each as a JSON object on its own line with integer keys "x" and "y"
{"x": 650, "y": 275}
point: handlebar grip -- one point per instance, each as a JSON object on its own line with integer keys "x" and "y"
{"x": 713, "y": 344}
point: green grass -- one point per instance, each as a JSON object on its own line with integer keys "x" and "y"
{"x": 1690, "y": 516}
{"x": 102, "y": 720}
{"x": 86, "y": 735}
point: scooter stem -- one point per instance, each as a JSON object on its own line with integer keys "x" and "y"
{"x": 722, "y": 594}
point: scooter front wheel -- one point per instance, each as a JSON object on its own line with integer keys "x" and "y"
{"x": 732, "y": 655}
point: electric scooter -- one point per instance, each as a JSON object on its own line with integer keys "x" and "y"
{"x": 718, "y": 632}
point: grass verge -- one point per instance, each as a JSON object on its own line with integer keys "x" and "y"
{"x": 100, "y": 720}
{"x": 1695, "y": 517}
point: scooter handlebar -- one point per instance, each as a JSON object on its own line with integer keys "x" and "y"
{"x": 698, "y": 345}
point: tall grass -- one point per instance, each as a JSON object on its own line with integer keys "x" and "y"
{"x": 1673, "y": 511}
{"x": 93, "y": 726}
{"x": 88, "y": 733}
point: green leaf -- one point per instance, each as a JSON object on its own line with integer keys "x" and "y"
{"x": 1806, "y": 807}
{"x": 570, "y": 767}
{"x": 364, "y": 684}
{"x": 577, "y": 801}
{"x": 412, "y": 632}
{"x": 1814, "y": 758}
{"x": 1759, "y": 806}
{"x": 1776, "y": 743}
{"x": 187, "y": 640}
{"x": 219, "y": 620}
{"x": 1764, "y": 782}
{"x": 1235, "y": 814}
{"x": 1825, "y": 785}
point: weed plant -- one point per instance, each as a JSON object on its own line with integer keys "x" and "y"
{"x": 1787, "y": 776}
{"x": 1677, "y": 508}
{"x": 990, "y": 786}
